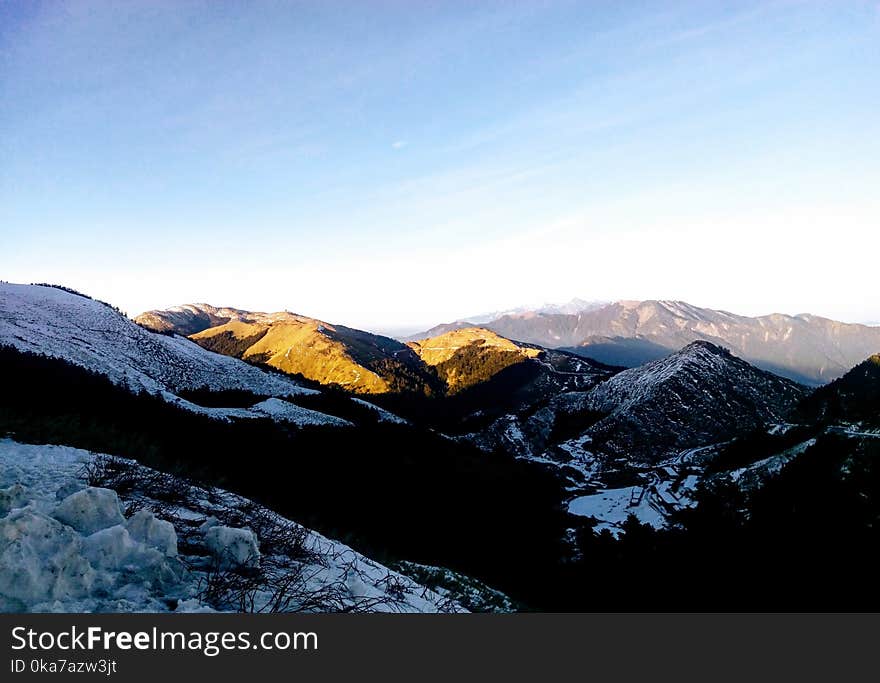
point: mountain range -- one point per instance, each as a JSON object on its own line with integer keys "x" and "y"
{"x": 500, "y": 457}
{"x": 805, "y": 348}
{"x": 362, "y": 362}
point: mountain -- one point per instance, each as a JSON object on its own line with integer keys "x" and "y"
{"x": 696, "y": 397}
{"x": 853, "y": 399}
{"x": 806, "y": 348}
{"x": 572, "y": 307}
{"x": 470, "y": 355}
{"x": 358, "y": 361}
{"x": 700, "y": 395}
{"x": 640, "y": 442}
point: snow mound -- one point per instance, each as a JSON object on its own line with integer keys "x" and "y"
{"x": 114, "y": 549}
{"x": 233, "y": 547}
{"x": 90, "y": 510}
{"x": 82, "y": 549}
{"x": 42, "y": 560}
{"x": 156, "y": 533}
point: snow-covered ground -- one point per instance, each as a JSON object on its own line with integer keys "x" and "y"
{"x": 85, "y": 332}
{"x": 288, "y": 412}
{"x": 68, "y": 547}
{"x": 612, "y": 507}
{"x": 383, "y": 415}
{"x": 668, "y": 490}
{"x": 274, "y": 408}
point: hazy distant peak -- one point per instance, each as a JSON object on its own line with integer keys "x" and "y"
{"x": 572, "y": 307}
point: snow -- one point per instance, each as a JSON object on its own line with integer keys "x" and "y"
{"x": 612, "y": 507}
{"x": 635, "y": 385}
{"x": 233, "y": 547}
{"x": 12, "y": 497}
{"x": 274, "y": 408}
{"x": 90, "y": 510}
{"x": 143, "y": 526}
{"x": 42, "y": 560}
{"x": 288, "y": 412}
{"x": 779, "y": 429}
{"x": 123, "y": 565}
{"x": 113, "y": 549}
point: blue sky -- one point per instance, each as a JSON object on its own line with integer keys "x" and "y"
{"x": 393, "y": 164}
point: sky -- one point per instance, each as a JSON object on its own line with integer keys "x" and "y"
{"x": 393, "y": 165}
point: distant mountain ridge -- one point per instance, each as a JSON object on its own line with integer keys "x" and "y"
{"x": 806, "y": 348}
{"x": 574, "y": 306}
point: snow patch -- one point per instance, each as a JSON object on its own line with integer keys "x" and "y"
{"x": 233, "y": 547}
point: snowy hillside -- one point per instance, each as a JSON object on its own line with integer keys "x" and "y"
{"x": 162, "y": 544}
{"x": 700, "y": 395}
{"x": 90, "y": 334}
